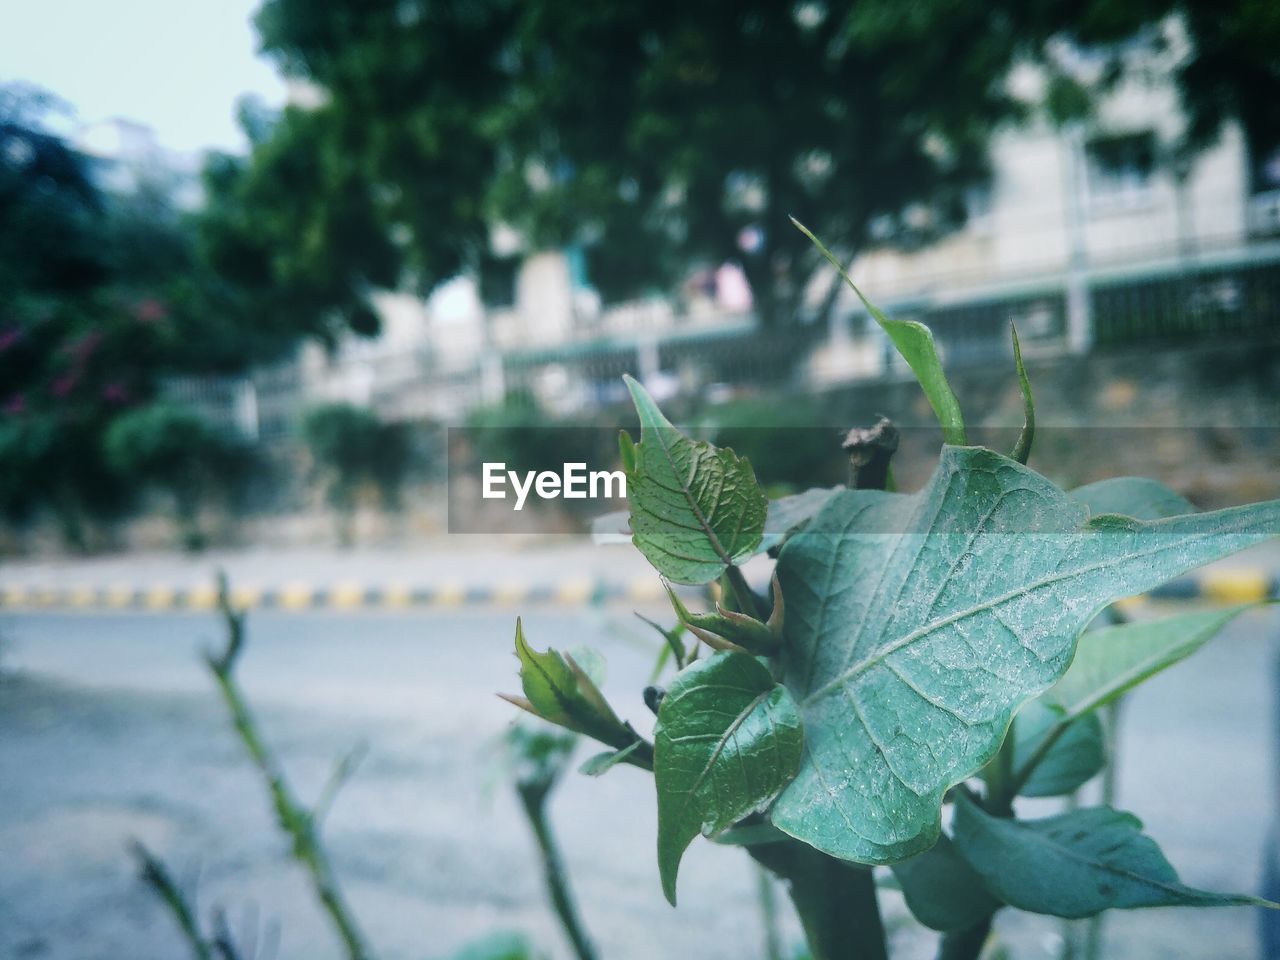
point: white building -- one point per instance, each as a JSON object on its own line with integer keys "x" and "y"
{"x": 1068, "y": 210}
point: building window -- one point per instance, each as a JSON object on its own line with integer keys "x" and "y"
{"x": 1121, "y": 169}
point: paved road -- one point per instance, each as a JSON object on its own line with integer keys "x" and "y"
{"x": 110, "y": 729}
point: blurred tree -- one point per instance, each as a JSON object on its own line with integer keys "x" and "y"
{"x": 182, "y": 454}
{"x": 1230, "y": 70}
{"x": 101, "y": 296}
{"x": 352, "y": 449}
{"x": 292, "y": 243}
{"x": 662, "y": 134}
{"x": 70, "y": 354}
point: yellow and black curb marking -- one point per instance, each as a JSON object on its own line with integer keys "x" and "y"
{"x": 1226, "y": 586}
{"x": 301, "y": 596}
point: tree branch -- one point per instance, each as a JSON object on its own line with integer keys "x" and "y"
{"x": 293, "y": 818}
{"x": 156, "y": 875}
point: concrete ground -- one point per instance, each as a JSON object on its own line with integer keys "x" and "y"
{"x": 110, "y": 729}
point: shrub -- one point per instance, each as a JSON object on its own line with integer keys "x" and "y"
{"x": 179, "y": 452}
{"x": 352, "y": 449}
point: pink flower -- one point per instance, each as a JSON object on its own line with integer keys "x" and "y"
{"x": 151, "y": 310}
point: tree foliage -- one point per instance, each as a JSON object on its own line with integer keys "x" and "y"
{"x": 179, "y": 452}
{"x": 662, "y": 134}
{"x": 351, "y": 449}
{"x": 102, "y": 295}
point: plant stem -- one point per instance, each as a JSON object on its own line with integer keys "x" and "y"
{"x": 836, "y": 901}
{"x": 1002, "y": 786}
{"x": 158, "y": 878}
{"x": 768, "y": 914}
{"x": 746, "y": 597}
{"x": 533, "y": 797}
{"x": 1019, "y": 777}
{"x": 294, "y": 819}
{"x": 1002, "y": 783}
{"x": 870, "y": 449}
{"x": 966, "y": 944}
{"x": 1111, "y": 727}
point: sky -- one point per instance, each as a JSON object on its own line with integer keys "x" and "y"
{"x": 178, "y": 66}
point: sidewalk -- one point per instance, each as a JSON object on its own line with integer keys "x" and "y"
{"x": 454, "y": 571}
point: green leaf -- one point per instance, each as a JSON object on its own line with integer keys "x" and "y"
{"x": 917, "y": 625}
{"x": 728, "y": 739}
{"x": 785, "y": 515}
{"x": 751, "y": 835}
{"x": 1022, "y": 449}
{"x": 915, "y": 342}
{"x": 1076, "y": 756}
{"x": 1135, "y": 497}
{"x": 561, "y": 691}
{"x": 695, "y": 509}
{"x": 942, "y": 891}
{"x": 1113, "y": 660}
{"x": 738, "y": 629}
{"x": 602, "y": 763}
{"x": 1076, "y": 864}
{"x": 673, "y": 648}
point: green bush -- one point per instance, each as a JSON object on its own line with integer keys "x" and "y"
{"x": 351, "y": 450}
{"x": 182, "y": 454}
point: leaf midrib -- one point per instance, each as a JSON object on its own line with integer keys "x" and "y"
{"x": 1176, "y": 887}
{"x": 693, "y": 504}
{"x": 878, "y": 656}
{"x": 732, "y": 729}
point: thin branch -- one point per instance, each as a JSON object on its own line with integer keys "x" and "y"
{"x": 533, "y": 797}
{"x": 870, "y": 449}
{"x": 156, "y": 875}
{"x": 342, "y": 772}
{"x": 291, "y": 815}
{"x": 748, "y": 601}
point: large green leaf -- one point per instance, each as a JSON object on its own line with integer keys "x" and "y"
{"x": 1112, "y": 660}
{"x": 695, "y": 509}
{"x": 1073, "y": 759}
{"x": 942, "y": 891}
{"x": 915, "y": 342}
{"x": 786, "y": 514}
{"x": 728, "y": 739}
{"x": 1135, "y": 497}
{"x": 916, "y": 626}
{"x": 1076, "y": 864}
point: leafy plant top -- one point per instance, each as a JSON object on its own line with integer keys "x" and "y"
{"x": 918, "y": 624}
{"x": 914, "y": 649}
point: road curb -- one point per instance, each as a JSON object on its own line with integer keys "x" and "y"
{"x": 1228, "y": 586}
{"x": 300, "y": 596}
